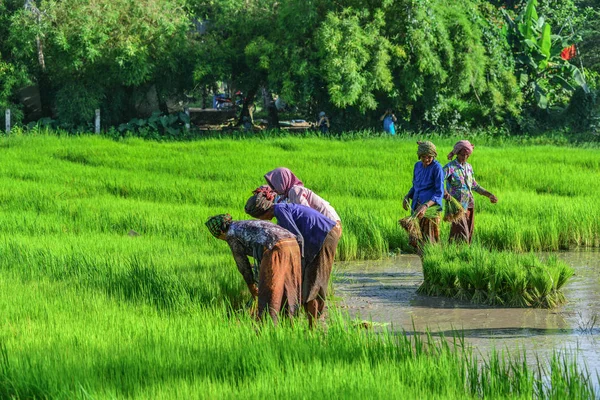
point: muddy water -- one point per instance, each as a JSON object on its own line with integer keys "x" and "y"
{"x": 385, "y": 292}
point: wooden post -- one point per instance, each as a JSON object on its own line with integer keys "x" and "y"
{"x": 7, "y": 121}
{"x": 186, "y": 110}
{"x": 97, "y": 122}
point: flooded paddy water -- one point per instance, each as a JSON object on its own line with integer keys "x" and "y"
{"x": 385, "y": 292}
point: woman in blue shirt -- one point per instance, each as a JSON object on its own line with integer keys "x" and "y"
{"x": 427, "y": 191}
{"x": 316, "y": 237}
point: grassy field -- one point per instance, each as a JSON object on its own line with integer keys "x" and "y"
{"x": 89, "y": 311}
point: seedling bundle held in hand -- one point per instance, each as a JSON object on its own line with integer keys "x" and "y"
{"x": 411, "y": 223}
{"x": 453, "y": 210}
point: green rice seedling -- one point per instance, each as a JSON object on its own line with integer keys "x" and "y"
{"x": 431, "y": 284}
{"x": 453, "y": 210}
{"x": 493, "y": 278}
{"x": 497, "y": 287}
{"x": 411, "y": 224}
{"x": 465, "y": 290}
{"x": 448, "y": 279}
{"x": 516, "y": 283}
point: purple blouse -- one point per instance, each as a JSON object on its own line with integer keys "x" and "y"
{"x": 310, "y": 227}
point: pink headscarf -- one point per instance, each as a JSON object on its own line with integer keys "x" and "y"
{"x": 461, "y": 145}
{"x": 282, "y": 180}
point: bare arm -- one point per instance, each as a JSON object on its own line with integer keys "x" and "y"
{"x": 243, "y": 265}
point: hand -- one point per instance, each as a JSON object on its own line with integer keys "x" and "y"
{"x": 493, "y": 199}
{"x": 421, "y": 211}
{"x": 253, "y": 291}
{"x": 446, "y": 196}
{"x": 406, "y": 203}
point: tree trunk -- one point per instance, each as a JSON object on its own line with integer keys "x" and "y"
{"x": 248, "y": 106}
{"x": 273, "y": 114}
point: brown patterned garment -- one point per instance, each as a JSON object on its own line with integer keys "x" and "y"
{"x": 252, "y": 239}
{"x": 462, "y": 230}
{"x": 280, "y": 280}
{"x": 430, "y": 229}
{"x": 316, "y": 275}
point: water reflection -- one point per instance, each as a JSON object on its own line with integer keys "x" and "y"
{"x": 385, "y": 292}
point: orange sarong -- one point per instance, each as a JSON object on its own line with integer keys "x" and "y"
{"x": 280, "y": 278}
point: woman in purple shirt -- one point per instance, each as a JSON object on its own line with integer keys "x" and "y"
{"x": 426, "y": 192}
{"x": 316, "y": 237}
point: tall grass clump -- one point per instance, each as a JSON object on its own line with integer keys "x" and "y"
{"x": 492, "y": 277}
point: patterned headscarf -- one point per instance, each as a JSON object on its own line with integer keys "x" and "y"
{"x": 282, "y": 180}
{"x": 461, "y": 145}
{"x": 219, "y": 224}
{"x": 262, "y": 200}
{"x": 426, "y": 148}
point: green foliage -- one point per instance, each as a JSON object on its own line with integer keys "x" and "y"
{"x": 355, "y": 58}
{"x": 158, "y": 126}
{"x": 10, "y": 79}
{"x": 455, "y": 73}
{"x": 545, "y": 78}
{"x": 94, "y": 48}
{"x": 439, "y": 65}
{"x": 76, "y": 105}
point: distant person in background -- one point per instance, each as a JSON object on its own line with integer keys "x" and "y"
{"x": 292, "y": 190}
{"x": 427, "y": 191}
{"x": 276, "y": 276}
{"x": 316, "y": 237}
{"x": 389, "y": 119}
{"x": 323, "y": 122}
{"x": 247, "y": 123}
{"x": 460, "y": 184}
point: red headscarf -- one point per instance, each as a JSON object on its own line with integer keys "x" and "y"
{"x": 461, "y": 145}
{"x": 282, "y": 180}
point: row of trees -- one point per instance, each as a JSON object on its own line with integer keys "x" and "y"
{"x": 439, "y": 64}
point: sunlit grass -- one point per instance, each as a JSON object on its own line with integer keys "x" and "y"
{"x": 89, "y": 311}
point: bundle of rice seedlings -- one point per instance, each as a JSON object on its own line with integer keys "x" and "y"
{"x": 517, "y": 282}
{"x": 453, "y": 210}
{"x": 541, "y": 289}
{"x": 464, "y": 291}
{"x": 496, "y": 288}
{"x": 412, "y": 227}
{"x": 448, "y": 280}
{"x": 411, "y": 223}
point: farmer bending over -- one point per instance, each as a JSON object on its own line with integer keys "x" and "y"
{"x": 276, "y": 276}
{"x": 292, "y": 190}
{"x": 316, "y": 237}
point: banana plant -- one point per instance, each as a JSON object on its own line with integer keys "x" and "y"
{"x": 542, "y": 72}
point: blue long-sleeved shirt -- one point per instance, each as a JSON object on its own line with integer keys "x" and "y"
{"x": 428, "y": 184}
{"x": 310, "y": 227}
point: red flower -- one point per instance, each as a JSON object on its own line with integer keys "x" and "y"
{"x": 568, "y": 52}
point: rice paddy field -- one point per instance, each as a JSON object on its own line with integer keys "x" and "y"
{"x": 111, "y": 286}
